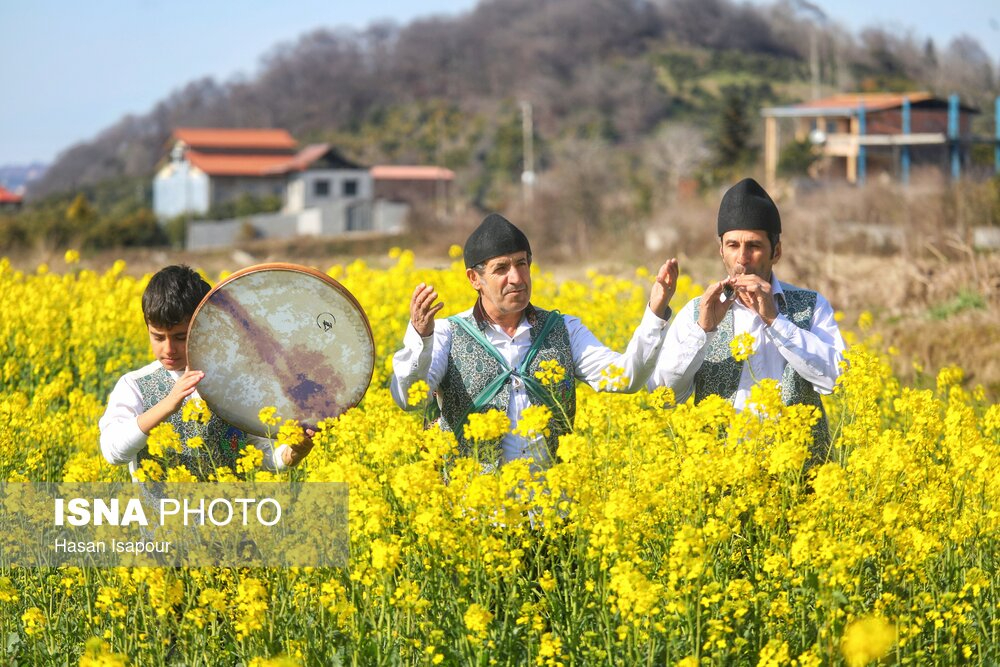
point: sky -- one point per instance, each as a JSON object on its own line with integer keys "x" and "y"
{"x": 71, "y": 69}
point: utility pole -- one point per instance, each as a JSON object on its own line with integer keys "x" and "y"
{"x": 814, "y": 61}
{"x": 528, "y": 172}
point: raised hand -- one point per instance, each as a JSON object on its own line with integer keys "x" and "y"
{"x": 184, "y": 387}
{"x": 423, "y": 309}
{"x": 299, "y": 451}
{"x": 713, "y": 306}
{"x": 664, "y": 286}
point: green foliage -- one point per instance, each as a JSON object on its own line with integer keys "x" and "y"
{"x": 796, "y": 158}
{"x": 80, "y": 210}
{"x": 504, "y": 159}
{"x": 731, "y": 143}
{"x": 176, "y": 230}
{"x": 995, "y": 203}
{"x": 106, "y": 215}
{"x": 137, "y": 229}
{"x": 245, "y": 205}
{"x": 966, "y": 300}
{"x": 679, "y": 69}
{"x": 431, "y": 131}
{"x": 982, "y": 155}
{"x": 13, "y": 233}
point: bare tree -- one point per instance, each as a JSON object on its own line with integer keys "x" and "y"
{"x": 676, "y": 151}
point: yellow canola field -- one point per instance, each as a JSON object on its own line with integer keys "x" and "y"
{"x": 665, "y": 534}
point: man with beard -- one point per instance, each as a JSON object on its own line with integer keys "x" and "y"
{"x": 796, "y": 340}
{"x": 488, "y": 357}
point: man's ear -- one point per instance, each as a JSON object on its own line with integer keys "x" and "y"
{"x": 473, "y": 277}
{"x": 777, "y": 253}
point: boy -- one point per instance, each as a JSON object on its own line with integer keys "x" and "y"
{"x": 156, "y": 392}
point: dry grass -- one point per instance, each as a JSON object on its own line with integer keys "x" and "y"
{"x": 901, "y": 253}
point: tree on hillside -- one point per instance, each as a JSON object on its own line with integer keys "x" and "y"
{"x": 591, "y": 68}
{"x": 731, "y": 142}
{"x": 677, "y": 151}
{"x": 722, "y": 24}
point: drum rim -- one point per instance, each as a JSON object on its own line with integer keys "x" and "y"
{"x": 295, "y": 268}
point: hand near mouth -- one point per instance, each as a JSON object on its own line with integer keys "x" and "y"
{"x": 755, "y": 293}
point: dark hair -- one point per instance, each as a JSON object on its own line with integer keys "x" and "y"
{"x": 774, "y": 238}
{"x": 172, "y": 296}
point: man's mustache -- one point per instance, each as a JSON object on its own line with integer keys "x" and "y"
{"x": 510, "y": 289}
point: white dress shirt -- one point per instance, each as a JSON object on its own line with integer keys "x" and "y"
{"x": 814, "y": 354}
{"x": 122, "y": 439}
{"x": 427, "y": 359}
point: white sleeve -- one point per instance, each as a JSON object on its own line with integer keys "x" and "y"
{"x": 273, "y": 457}
{"x": 121, "y": 437}
{"x": 683, "y": 352}
{"x": 592, "y": 358}
{"x": 814, "y": 354}
{"x": 421, "y": 358}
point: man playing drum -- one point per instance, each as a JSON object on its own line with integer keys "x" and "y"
{"x": 155, "y": 393}
{"x": 487, "y": 357}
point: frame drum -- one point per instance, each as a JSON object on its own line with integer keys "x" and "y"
{"x": 280, "y": 335}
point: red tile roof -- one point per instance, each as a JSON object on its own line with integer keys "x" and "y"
{"x": 238, "y": 165}
{"x": 8, "y": 197}
{"x": 872, "y": 101}
{"x": 241, "y": 139}
{"x": 389, "y": 172}
{"x": 306, "y": 157}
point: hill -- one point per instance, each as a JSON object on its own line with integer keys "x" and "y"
{"x": 608, "y": 74}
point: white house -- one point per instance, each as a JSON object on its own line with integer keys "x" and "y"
{"x": 209, "y": 166}
{"x": 319, "y": 175}
{"x": 322, "y": 192}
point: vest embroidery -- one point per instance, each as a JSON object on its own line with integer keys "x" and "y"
{"x": 471, "y": 369}
{"x": 222, "y": 441}
{"x": 720, "y": 373}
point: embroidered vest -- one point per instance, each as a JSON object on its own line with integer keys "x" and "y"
{"x": 471, "y": 369}
{"x": 720, "y": 373}
{"x": 222, "y": 441}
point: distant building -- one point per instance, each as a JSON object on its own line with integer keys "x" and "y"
{"x": 415, "y": 184}
{"x": 209, "y": 167}
{"x": 861, "y": 133}
{"x": 322, "y": 192}
{"x": 9, "y": 201}
{"x": 318, "y": 175}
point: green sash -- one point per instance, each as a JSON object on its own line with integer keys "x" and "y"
{"x": 531, "y": 384}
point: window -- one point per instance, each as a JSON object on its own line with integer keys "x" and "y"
{"x": 350, "y": 188}
{"x": 321, "y": 188}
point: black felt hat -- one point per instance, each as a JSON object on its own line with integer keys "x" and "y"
{"x": 746, "y": 205}
{"x": 494, "y": 236}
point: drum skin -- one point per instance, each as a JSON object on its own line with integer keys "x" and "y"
{"x": 280, "y": 335}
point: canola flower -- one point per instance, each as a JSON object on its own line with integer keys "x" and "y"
{"x": 534, "y": 422}
{"x": 196, "y": 411}
{"x": 97, "y": 653}
{"x": 665, "y": 533}
{"x": 477, "y": 620}
{"x": 268, "y": 416}
{"x": 742, "y": 346}
{"x": 613, "y": 378}
{"x": 417, "y": 393}
{"x": 487, "y": 426}
{"x": 866, "y": 640}
{"x": 551, "y": 372}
